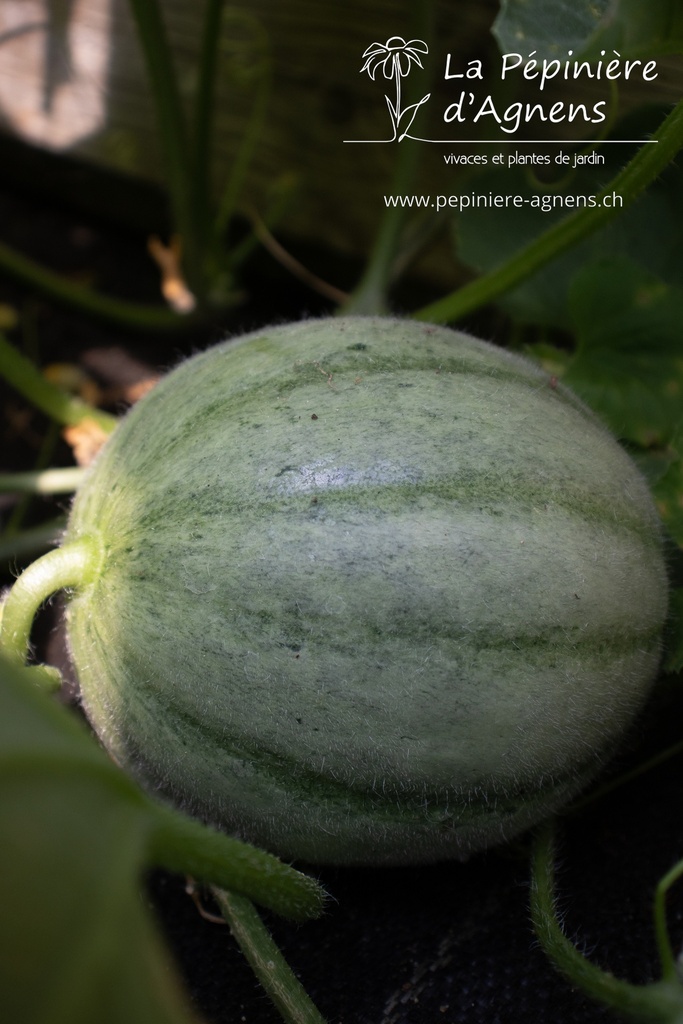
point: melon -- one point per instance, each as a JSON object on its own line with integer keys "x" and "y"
{"x": 371, "y": 591}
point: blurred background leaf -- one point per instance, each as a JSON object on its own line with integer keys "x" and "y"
{"x": 76, "y": 941}
{"x": 633, "y": 27}
{"x": 587, "y": 26}
{"x": 526, "y": 25}
{"x": 628, "y": 364}
{"x": 648, "y": 231}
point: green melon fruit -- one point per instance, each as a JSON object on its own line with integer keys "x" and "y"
{"x": 371, "y": 591}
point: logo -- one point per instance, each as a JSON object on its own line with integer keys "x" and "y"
{"x": 396, "y": 58}
{"x": 480, "y": 108}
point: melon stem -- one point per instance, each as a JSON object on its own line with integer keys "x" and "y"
{"x": 74, "y": 565}
{"x": 266, "y": 960}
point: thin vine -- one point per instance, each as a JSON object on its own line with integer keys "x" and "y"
{"x": 659, "y": 1002}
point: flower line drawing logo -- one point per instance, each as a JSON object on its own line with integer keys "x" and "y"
{"x": 396, "y": 58}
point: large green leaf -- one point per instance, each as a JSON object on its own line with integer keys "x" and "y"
{"x": 548, "y": 27}
{"x": 628, "y": 363}
{"x": 589, "y": 26}
{"x": 628, "y": 366}
{"x": 648, "y": 231}
{"x": 635, "y": 27}
{"x": 76, "y": 942}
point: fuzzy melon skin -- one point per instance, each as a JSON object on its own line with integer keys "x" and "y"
{"x": 372, "y": 591}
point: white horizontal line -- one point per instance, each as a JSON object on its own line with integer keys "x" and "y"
{"x": 519, "y": 142}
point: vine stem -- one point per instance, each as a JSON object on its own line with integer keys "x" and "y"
{"x": 266, "y": 960}
{"x": 74, "y": 565}
{"x": 203, "y": 113}
{"x": 666, "y": 954}
{"x": 369, "y": 298}
{"x": 153, "y": 40}
{"x": 182, "y": 844}
{"x": 129, "y": 314}
{"x": 236, "y": 178}
{"x": 630, "y": 182}
{"x": 45, "y": 481}
{"x": 370, "y": 295}
{"x": 21, "y": 373}
{"x": 660, "y": 1002}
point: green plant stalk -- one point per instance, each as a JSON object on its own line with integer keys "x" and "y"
{"x": 173, "y": 132}
{"x": 266, "y": 960}
{"x": 203, "y": 116}
{"x": 44, "y": 456}
{"x": 46, "y": 481}
{"x": 666, "y": 954}
{"x": 219, "y": 262}
{"x": 660, "y": 1002}
{"x": 28, "y": 381}
{"x": 185, "y": 845}
{"x": 647, "y": 164}
{"x": 238, "y": 172}
{"x": 369, "y": 298}
{"x": 129, "y": 314}
{"x": 370, "y": 295}
{"x": 269, "y": 219}
{"x": 73, "y": 565}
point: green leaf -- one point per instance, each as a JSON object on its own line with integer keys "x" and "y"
{"x": 550, "y": 28}
{"x": 628, "y": 364}
{"x": 589, "y": 26}
{"x": 648, "y": 231}
{"x": 76, "y": 942}
{"x": 488, "y": 237}
{"x": 628, "y": 367}
{"x": 633, "y": 27}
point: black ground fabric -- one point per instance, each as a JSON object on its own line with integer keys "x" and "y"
{"x": 454, "y": 943}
